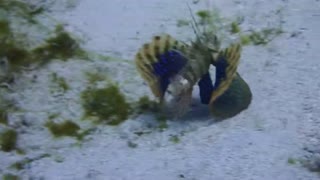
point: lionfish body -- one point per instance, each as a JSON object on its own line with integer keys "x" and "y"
{"x": 170, "y": 65}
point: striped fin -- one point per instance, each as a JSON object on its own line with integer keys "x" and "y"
{"x": 158, "y": 60}
{"x": 226, "y": 70}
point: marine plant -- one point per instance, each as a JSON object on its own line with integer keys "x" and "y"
{"x": 107, "y": 105}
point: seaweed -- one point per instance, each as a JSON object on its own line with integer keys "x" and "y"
{"x": 234, "y": 28}
{"x": 213, "y": 23}
{"x": 93, "y": 78}
{"x": 61, "y": 46}
{"x": 9, "y": 48}
{"x": 291, "y": 161}
{"x": 60, "y": 81}
{"x": 163, "y": 125}
{"x": 9, "y": 176}
{"x": 174, "y": 139}
{"x": 4, "y": 28}
{"x": 144, "y": 104}
{"x": 8, "y": 140}
{"x": 245, "y": 40}
{"x": 203, "y": 14}
{"x": 20, "y": 165}
{"x": 66, "y": 128}
{"x": 182, "y": 22}
{"x": 21, "y": 9}
{"x": 15, "y": 55}
{"x": 3, "y": 117}
{"x": 108, "y": 105}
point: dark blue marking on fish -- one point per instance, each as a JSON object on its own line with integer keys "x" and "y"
{"x": 206, "y": 88}
{"x": 164, "y": 83}
{"x": 221, "y": 67}
{"x": 169, "y": 64}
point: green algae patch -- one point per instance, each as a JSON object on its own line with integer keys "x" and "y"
{"x": 144, "y": 104}
{"x": 262, "y": 37}
{"x": 10, "y": 47}
{"x": 66, "y": 128}
{"x": 174, "y": 139}
{"x": 4, "y": 28}
{"x": 10, "y": 177}
{"x": 8, "y": 140}
{"x": 20, "y": 165}
{"x": 3, "y": 117}
{"x": 182, "y": 22}
{"x": 108, "y": 105}
{"x": 20, "y": 8}
{"x": 16, "y": 48}
{"x": 19, "y": 49}
{"x": 60, "y": 82}
{"x": 245, "y": 40}
{"x": 61, "y": 46}
{"x": 95, "y": 77}
{"x": 291, "y": 161}
{"x": 235, "y": 28}
{"x": 203, "y": 14}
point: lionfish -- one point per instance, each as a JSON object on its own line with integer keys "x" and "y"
{"x": 169, "y": 65}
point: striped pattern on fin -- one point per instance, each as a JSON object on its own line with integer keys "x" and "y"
{"x": 158, "y": 60}
{"x": 226, "y": 69}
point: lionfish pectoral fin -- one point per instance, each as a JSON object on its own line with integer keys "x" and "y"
{"x": 205, "y": 88}
{"x": 158, "y": 60}
{"x": 226, "y": 69}
{"x": 169, "y": 64}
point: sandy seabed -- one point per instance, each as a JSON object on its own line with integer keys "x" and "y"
{"x": 281, "y": 123}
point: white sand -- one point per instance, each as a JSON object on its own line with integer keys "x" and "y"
{"x": 282, "y": 119}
